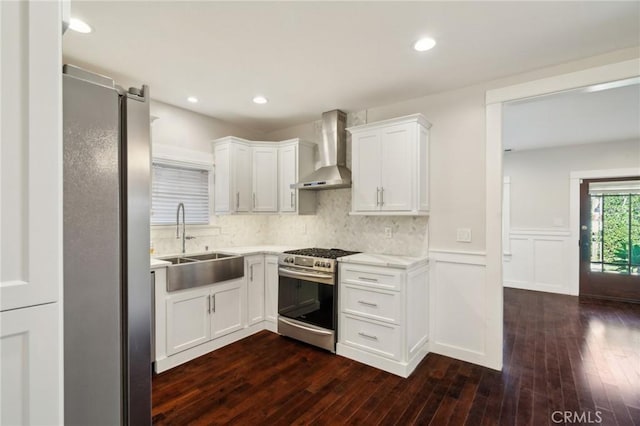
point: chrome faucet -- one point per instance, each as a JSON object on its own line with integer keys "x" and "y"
{"x": 184, "y": 225}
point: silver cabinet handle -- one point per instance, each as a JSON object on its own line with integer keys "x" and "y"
{"x": 368, "y": 336}
{"x": 375, "y": 280}
{"x": 382, "y": 196}
{"x": 377, "y": 196}
{"x": 254, "y": 200}
{"x": 373, "y": 305}
{"x": 291, "y": 199}
{"x": 209, "y": 304}
{"x": 214, "y": 303}
{"x": 251, "y": 271}
{"x": 238, "y": 200}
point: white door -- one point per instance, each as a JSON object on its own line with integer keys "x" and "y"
{"x": 31, "y": 160}
{"x": 188, "y": 319}
{"x": 242, "y": 176}
{"x": 222, "y": 185}
{"x": 271, "y": 288}
{"x": 254, "y": 272}
{"x": 265, "y": 179}
{"x": 29, "y": 371}
{"x": 31, "y": 211}
{"x": 366, "y": 171}
{"x": 228, "y": 309}
{"x": 287, "y": 164}
{"x": 397, "y": 147}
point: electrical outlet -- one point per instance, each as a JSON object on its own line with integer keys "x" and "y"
{"x": 463, "y": 235}
{"x": 388, "y": 232}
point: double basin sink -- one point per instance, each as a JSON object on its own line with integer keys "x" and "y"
{"x": 202, "y": 269}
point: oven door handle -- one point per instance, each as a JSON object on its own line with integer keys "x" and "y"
{"x": 312, "y": 330}
{"x": 286, "y": 272}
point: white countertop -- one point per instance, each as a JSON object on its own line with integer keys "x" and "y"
{"x": 246, "y": 251}
{"x": 387, "y": 260}
{"x": 157, "y": 263}
{"x": 243, "y": 251}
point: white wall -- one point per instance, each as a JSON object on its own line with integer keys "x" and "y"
{"x": 187, "y": 129}
{"x": 539, "y": 245}
{"x": 540, "y": 178}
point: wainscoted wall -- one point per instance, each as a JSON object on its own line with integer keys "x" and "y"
{"x": 538, "y": 259}
{"x": 462, "y": 313}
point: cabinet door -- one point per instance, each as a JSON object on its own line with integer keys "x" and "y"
{"x": 287, "y": 164}
{"x": 242, "y": 174}
{"x": 398, "y": 167}
{"x": 265, "y": 179}
{"x": 188, "y": 319}
{"x": 254, "y": 272}
{"x": 366, "y": 171}
{"x": 227, "y": 308}
{"x": 222, "y": 185}
{"x": 271, "y": 288}
{"x": 29, "y": 371}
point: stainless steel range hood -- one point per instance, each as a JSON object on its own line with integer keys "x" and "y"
{"x": 333, "y": 172}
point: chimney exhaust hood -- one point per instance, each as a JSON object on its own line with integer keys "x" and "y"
{"x": 333, "y": 172}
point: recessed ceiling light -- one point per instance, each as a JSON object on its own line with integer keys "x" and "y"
{"x": 192, "y": 99}
{"x": 79, "y": 26}
{"x": 424, "y": 44}
{"x": 260, "y": 100}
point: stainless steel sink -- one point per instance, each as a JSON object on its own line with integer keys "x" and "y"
{"x": 201, "y": 270}
{"x": 210, "y": 256}
{"x": 178, "y": 260}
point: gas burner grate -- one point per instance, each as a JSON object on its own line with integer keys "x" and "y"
{"x": 332, "y": 253}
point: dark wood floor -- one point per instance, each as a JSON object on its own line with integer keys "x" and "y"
{"x": 560, "y": 354}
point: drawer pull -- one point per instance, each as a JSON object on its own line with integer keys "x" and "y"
{"x": 375, "y": 280}
{"x": 362, "y": 302}
{"x": 368, "y": 336}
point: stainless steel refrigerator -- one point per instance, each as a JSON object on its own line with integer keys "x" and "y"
{"x": 107, "y": 289}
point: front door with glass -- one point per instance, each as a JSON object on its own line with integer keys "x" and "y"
{"x": 610, "y": 238}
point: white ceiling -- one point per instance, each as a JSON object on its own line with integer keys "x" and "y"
{"x": 573, "y": 117}
{"x": 309, "y": 57}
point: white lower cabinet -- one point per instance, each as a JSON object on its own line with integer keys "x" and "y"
{"x": 191, "y": 323}
{"x": 29, "y": 371}
{"x": 254, "y": 272}
{"x": 194, "y": 317}
{"x": 383, "y": 319}
{"x": 271, "y": 288}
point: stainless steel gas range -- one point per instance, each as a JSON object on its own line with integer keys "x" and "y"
{"x": 307, "y": 295}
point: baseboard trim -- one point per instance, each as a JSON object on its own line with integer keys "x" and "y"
{"x": 399, "y": 368}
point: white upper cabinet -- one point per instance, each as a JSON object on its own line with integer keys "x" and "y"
{"x": 265, "y": 179}
{"x": 233, "y": 184}
{"x": 390, "y": 167}
{"x": 257, "y": 176}
{"x": 295, "y": 160}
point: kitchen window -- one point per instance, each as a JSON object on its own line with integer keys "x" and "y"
{"x": 172, "y": 185}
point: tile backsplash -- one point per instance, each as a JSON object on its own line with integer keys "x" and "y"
{"x": 330, "y": 227}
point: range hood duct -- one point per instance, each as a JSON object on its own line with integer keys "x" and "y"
{"x": 333, "y": 172}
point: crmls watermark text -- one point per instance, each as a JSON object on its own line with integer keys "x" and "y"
{"x": 584, "y": 417}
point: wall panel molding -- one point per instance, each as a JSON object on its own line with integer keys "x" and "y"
{"x": 460, "y": 320}
{"x": 539, "y": 260}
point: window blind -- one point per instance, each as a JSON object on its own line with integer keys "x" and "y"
{"x": 173, "y": 185}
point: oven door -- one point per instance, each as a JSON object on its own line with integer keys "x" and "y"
{"x": 307, "y": 296}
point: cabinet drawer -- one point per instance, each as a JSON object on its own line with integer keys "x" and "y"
{"x": 383, "y": 340}
{"x": 371, "y": 276}
{"x": 380, "y": 305}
